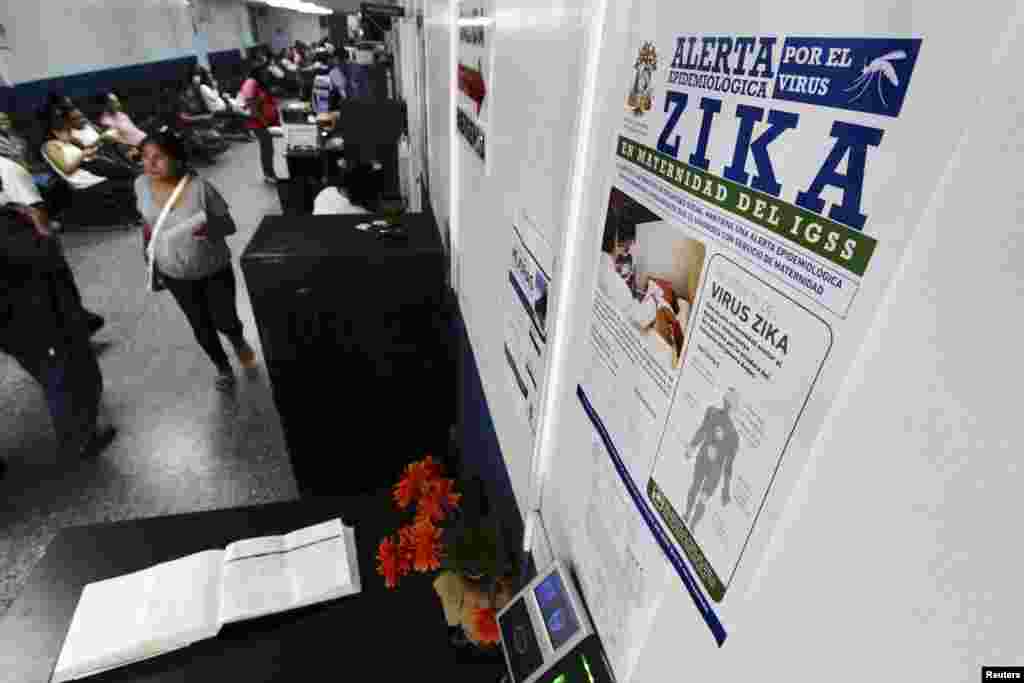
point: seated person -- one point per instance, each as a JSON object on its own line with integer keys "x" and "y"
{"x": 288, "y": 60}
{"x": 200, "y": 104}
{"x": 359, "y": 192}
{"x": 101, "y": 199}
{"x": 102, "y": 156}
{"x": 15, "y": 148}
{"x": 191, "y": 105}
{"x": 275, "y": 69}
{"x": 216, "y": 100}
{"x": 113, "y": 117}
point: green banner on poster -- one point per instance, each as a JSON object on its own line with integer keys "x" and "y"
{"x": 843, "y": 246}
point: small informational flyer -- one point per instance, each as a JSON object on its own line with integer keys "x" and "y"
{"x": 529, "y": 277}
{"x": 475, "y": 60}
{"x": 621, "y": 571}
{"x": 753, "y": 357}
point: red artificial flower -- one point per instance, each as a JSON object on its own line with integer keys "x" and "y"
{"x": 426, "y": 543}
{"x": 404, "y": 490}
{"x": 431, "y": 469}
{"x": 413, "y": 484}
{"x": 485, "y": 625}
{"x": 407, "y": 544}
{"x": 437, "y": 500}
{"x": 392, "y": 564}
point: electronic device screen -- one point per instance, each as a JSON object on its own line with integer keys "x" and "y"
{"x": 525, "y": 656}
{"x": 556, "y": 610}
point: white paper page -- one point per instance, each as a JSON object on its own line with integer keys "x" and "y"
{"x": 320, "y": 562}
{"x": 141, "y": 615}
{"x": 255, "y": 579}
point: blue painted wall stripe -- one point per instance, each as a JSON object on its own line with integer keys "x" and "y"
{"x": 25, "y": 97}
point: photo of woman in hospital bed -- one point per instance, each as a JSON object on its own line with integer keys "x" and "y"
{"x": 664, "y": 264}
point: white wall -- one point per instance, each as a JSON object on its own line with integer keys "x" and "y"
{"x": 533, "y": 100}
{"x": 438, "y": 26}
{"x": 52, "y": 38}
{"x": 228, "y": 25}
{"x": 296, "y": 25}
{"x": 895, "y": 558}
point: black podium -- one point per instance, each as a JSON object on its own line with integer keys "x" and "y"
{"x": 356, "y": 342}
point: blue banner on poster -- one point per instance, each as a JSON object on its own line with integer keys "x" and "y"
{"x": 859, "y": 74}
{"x": 660, "y": 535}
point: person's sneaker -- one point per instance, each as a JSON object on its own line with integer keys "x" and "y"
{"x": 246, "y": 356}
{"x": 99, "y": 441}
{"x": 269, "y": 181}
{"x": 225, "y": 381}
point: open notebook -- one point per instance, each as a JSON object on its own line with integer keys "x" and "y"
{"x": 171, "y": 605}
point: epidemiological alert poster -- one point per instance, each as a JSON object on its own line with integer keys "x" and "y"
{"x": 763, "y": 189}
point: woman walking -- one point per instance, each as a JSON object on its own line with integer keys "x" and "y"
{"x": 190, "y": 256}
{"x": 255, "y": 93}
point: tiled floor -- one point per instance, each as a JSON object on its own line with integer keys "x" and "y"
{"x": 182, "y": 446}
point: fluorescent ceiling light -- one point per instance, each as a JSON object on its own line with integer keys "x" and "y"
{"x": 299, "y": 6}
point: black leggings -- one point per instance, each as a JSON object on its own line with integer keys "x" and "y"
{"x": 266, "y": 141}
{"x": 73, "y": 386}
{"x": 209, "y": 305}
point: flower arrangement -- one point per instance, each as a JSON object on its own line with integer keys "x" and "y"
{"x": 449, "y": 533}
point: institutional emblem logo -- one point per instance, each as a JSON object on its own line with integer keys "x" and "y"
{"x": 639, "y": 100}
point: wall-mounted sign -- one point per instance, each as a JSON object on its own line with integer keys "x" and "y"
{"x": 755, "y": 185}
{"x": 473, "y": 73}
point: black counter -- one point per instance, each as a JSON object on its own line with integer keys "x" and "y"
{"x": 356, "y": 342}
{"x": 377, "y": 634}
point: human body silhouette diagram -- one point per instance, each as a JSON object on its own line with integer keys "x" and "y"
{"x": 718, "y": 441}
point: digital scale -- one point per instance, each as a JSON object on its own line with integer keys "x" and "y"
{"x": 547, "y": 636}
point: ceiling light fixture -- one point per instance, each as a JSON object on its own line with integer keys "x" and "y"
{"x": 299, "y": 6}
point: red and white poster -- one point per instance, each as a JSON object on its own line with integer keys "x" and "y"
{"x": 474, "y": 70}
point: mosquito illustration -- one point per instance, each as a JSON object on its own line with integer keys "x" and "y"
{"x": 872, "y": 73}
